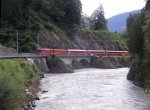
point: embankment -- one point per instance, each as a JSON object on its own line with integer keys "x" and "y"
{"x": 19, "y": 82}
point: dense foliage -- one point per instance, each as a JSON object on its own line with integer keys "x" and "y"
{"x": 31, "y": 16}
{"x": 26, "y": 40}
{"x": 135, "y": 32}
{"x": 14, "y": 76}
{"x": 20, "y": 14}
{"x": 138, "y": 32}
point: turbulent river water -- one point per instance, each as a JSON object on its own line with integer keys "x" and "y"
{"x": 92, "y": 89}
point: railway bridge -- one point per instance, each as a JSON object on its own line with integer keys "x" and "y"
{"x": 66, "y": 55}
{"x": 65, "y": 58}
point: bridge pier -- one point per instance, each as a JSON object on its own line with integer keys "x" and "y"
{"x": 80, "y": 59}
{"x": 41, "y": 64}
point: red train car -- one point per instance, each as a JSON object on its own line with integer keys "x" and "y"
{"x": 60, "y": 51}
{"x": 117, "y": 53}
{"x": 96, "y": 52}
{"x": 44, "y": 51}
{"x": 77, "y": 52}
{"x": 52, "y": 51}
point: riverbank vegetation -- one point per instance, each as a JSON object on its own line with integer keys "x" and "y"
{"x": 138, "y": 35}
{"x": 15, "y": 76}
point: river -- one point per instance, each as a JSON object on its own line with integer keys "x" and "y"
{"x": 92, "y": 89}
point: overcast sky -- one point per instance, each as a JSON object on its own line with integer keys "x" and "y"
{"x": 112, "y": 7}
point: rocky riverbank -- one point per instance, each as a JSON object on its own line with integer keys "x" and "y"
{"x": 109, "y": 62}
{"x": 30, "y": 94}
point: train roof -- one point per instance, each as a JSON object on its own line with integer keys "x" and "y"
{"x": 79, "y": 50}
{"x": 76, "y": 50}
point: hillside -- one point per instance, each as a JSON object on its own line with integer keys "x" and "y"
{"x": 58, "y": 25}
{"x": 83, "y": 39}
{"x": 118, "y": 22}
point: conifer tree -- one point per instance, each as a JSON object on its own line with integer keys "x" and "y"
{"x": 98, "y": 19}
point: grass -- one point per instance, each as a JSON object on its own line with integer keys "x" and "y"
{"x": 15, "y": 74}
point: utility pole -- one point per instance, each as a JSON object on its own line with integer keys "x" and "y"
{"x": 106, "y": 47}
{"x": 38, "y": 37}
{"x": 17, "y": 41}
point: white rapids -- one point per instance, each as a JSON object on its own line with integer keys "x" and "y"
{"x": 92, "y": 89}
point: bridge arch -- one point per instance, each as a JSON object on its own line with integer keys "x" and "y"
{"x": 84, "y": 63}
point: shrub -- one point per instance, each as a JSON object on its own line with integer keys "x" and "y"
{"x": 10, "y": 93}
{"x": 14, "y": 76}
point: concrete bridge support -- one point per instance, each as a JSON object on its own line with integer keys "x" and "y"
{"x": 81, "y": 59}
{"x": 41, "y": 64}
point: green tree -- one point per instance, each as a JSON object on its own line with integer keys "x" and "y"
{"x": 147, "y": 7}
{"x": 98, "y": 19}
{"x": 11, "y": 13}
{"x": 85, "y": 21}
{"x": 146, "y": 59}
{"x": 72, "y": 9}
{"x": 135, "y": 33}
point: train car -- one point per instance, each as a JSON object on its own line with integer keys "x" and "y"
{"x": 60, "y": 51}
{"x": 114, "y": 53}
{"x": 117, "y": 53}
{"x": 107, "y": 53}
{"x": 52, "y": 51}
{"x": 44, "y": 51}
{"x": 96, "y": 52}
{"x": 126, "y": 53}
{"x": 77, "y": 52}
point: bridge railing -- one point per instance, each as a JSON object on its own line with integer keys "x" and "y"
{"x": 21, "y": 55}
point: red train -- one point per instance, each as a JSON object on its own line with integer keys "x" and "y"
{"x": 77, "y": 52}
